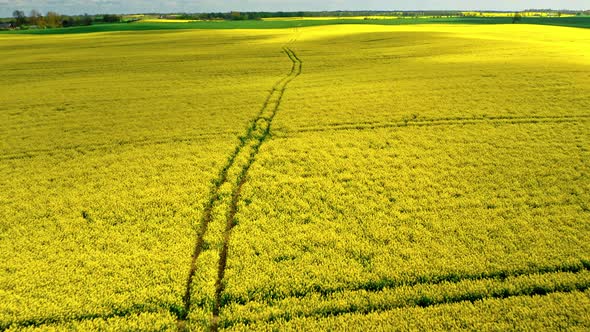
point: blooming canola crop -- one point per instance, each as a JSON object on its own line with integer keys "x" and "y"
{"x": 415, "y": 177}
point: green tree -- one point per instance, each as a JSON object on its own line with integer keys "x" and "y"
{"x": 108, "y": 18}
{"x": 35, "y": 18}
{"x": 86, "y": 20}
{"x": 516, "y": 18}
{"x": 53, "y": 20}
{"x": 20, "y": 17}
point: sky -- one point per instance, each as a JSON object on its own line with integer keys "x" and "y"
{"x": 173, "y": 6}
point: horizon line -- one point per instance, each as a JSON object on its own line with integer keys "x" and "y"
{"x": 320, "y": 11}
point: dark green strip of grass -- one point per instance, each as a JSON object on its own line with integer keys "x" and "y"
{"x": 578, "y": 22}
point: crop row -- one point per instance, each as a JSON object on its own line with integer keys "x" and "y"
{"x": 85, "y": 148}
{"x": 447, "y": 122}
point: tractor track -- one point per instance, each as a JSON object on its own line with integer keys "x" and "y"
{"x": 379, "y": 285}
{"x": 263, "y": 126}
{"x": 440, "y": 122}
{"x": 136, "y": 309}
{"x": 249, "y": 144}
{"x": 91, "y": 147}
{"x": 329, "y": 127}
{"x": 369, "y": 288}
{"x": 414, "y": 302}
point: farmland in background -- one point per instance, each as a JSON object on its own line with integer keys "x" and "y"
{"x": 366, "y": 176}
{"x": 148, "y": 24}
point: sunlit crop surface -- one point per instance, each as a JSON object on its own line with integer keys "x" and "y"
{"x": 325, "y": 178}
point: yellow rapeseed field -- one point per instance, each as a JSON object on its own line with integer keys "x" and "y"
{"x": 169, "y": 20}
{"x": 349, "y": 177}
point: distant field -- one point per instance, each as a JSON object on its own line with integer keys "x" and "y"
{"x": 157, "y": 20}
{"x": 325, "y": 18}
{"x": 285, "y": 23}
{"x": 364, "y": 177}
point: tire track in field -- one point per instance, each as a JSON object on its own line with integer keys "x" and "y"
{"x": 83, "y": 148}
{"x": 442, "y": 122}
{"x": 249, "y": 144}
{"x": 416, "y": 302}
{"x": 433, "y": 279}
{"x": 261, "y": 133}
{"x": 424, "y": 300}
{"x": 136, "y": 309}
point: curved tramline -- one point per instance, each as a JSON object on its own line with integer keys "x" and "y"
{"x": 263, "y": 126}
{"x": 234, "y": 174}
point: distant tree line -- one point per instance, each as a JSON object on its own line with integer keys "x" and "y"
{"x": 51, "y": 19}
{"x": 239, "y": 16}
{"x": 558, "y": 12}
{"x": 234, "y": 16}
{"x": 564, "y": 11}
